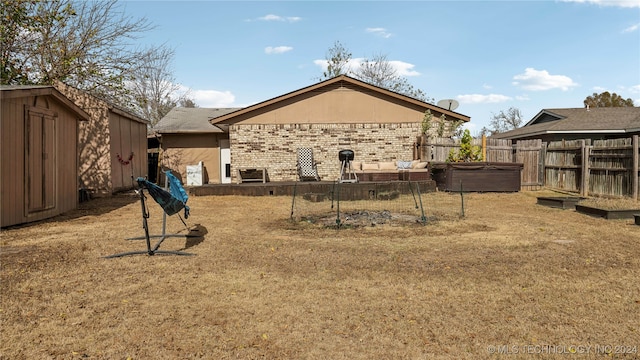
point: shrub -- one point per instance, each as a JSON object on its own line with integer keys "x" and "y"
{"x": 467, "y": 152}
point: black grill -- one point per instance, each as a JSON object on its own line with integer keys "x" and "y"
{"x": 346, "y": 155}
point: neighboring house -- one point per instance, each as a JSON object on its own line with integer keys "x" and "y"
{"x": 39, "y": 158}
{"x": 186, "y": 137}
{"x": 112, "y": 144}
{"x": 579, "y": 123}
{"x": 333, "y": 115}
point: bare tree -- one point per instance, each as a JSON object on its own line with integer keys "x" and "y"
{"x": 187, "y": 103}
{"x": 153, "y": 85}
{"x": 378, "y": 71}
{"x": 504, "y": 121}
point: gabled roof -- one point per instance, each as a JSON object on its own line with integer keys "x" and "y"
{"x": 17, "y": 91}
{"x": 80, "y": 96}
{"x": 191, "y": 120}
{"x": 607, "y": 120}
{"x": 229, "y": 118}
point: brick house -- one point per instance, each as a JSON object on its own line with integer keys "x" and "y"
{"x": 329, "y": 116}
{"x": 185, "y": 137}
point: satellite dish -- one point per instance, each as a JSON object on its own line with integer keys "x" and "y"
{"x": 448, "y": 104}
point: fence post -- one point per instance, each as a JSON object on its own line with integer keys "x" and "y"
{"x": 484, "y": 147}
{"x": 635, "y": 167}
{"x": 586, "y": 153}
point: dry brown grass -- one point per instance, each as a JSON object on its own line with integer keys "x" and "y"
{"x": 510, "y": 273}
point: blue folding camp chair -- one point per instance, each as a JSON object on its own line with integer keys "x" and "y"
{"x": 172, "y": 202}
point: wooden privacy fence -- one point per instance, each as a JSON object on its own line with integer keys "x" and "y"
{"x": 588, "y": 167}
{"x": 594, "y": 167}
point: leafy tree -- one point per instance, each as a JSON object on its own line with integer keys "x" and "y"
{"x": 376, "y": 71}
{"x": 338, "y": 58}
{"x": 16, "y": 22}
{"x": 427, "y": 122}
{"x": 85, "y": 44}
{"x": 607, "y": 99}
{"x": 504, "y": 121}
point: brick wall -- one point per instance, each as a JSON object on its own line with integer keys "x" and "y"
{"x": 274, "y": 146}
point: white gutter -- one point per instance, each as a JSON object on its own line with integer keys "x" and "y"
{"x": 585, "y": 131}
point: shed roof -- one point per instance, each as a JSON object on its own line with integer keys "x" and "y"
{"x": 606, "y": 120}
{"x": 80, "y": 96}
{"x": 191, "y": 120}
{"x": 231, "y": 117}
{"x": 17, "y": 91}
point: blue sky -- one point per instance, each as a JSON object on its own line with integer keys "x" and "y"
{"x": 487, "y": 55}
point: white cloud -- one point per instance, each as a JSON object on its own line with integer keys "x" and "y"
{"x": 635, "y": 89}
{"x": 617, "y": 3}
{"x": 402, "y": 68}
{"x": 483, "y": 99}
{"x": 522, "y": 98}
{"x": 599, "y": 89}
{"x": 487, "y": 86}
{"x": 209, "y": 98}
{"x": 382, "y": 32}
{"x": 277, "y": 50}
{"x": 631, "y": 28}
{"x": 272, "y": 17}
{"x": 540, "y": 80}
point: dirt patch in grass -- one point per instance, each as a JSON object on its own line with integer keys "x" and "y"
{"x": 510, "y": 273}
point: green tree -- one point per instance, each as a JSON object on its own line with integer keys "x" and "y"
{"x": 427, "y": 122}
{"x": 337, "y": 58}
{"x": 15, "y": 24}
{"x": 606, "y": 99}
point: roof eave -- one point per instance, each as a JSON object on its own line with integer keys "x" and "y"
{"x": 605, "y": 131}
{"x": 128, "y": 115}
{"x": 40, "y": 90}
{"x": 223, "y": 118}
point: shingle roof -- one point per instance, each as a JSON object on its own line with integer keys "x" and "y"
{"x": 577, "y": 121}
{"x": 191, "y": 120}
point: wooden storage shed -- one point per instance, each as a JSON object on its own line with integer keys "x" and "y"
{"x": 112, "y": 144}
{"x": 39, "y": 158}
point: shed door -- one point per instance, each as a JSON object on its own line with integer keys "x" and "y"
{"x": 40, "y": 161}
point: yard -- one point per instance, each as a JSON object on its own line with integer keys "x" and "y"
{"x": 511, "y": 277}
